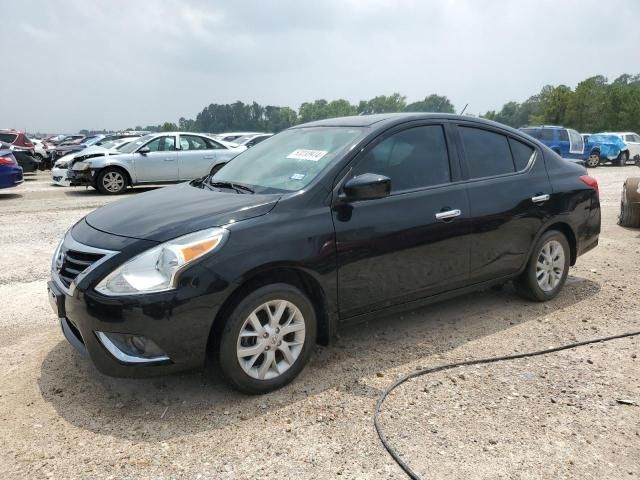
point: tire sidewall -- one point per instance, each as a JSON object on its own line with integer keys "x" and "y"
{"x": 531, "y": 267}
{"x": 227, "y": 354}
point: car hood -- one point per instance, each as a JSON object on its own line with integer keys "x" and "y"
{"x": 170, "y": 212}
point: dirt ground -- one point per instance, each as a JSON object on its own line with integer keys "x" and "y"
{"x": 573, "y": 414}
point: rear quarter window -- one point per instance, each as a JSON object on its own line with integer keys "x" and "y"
{"x": 522, "y": 153}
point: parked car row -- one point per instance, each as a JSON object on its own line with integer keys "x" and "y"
{"x": 590, "y": 149}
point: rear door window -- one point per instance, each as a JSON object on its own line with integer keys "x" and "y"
{"x": 487, "y": 153}
{"x": 564, "y": 136}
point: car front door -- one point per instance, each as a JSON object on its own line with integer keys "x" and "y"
{"x": 412, "y": 243}
{"x": 196, "y": 156}
{"x": 509, "y": 195}
{"x": 157, "y": 160}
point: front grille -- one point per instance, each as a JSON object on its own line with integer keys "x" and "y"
{"x": 74, "y": 263}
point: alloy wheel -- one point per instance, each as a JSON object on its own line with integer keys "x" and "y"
{"x": 550, "y": 265}
{"x": 271, "y": 339}
{"x": 113, "y": 181}
{"x": 593, "y": 160}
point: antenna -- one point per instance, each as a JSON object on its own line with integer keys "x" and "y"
{"x": 463, "y": 110}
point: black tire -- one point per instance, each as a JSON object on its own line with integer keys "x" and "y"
{"x": 593, "y": 160}
{"x": 622, "y": 159}
{"x": 630, "y": 204}
{"x": 227, "y": 351}
{"x": 527, "y": 283}
{"x": 105, "y": 183}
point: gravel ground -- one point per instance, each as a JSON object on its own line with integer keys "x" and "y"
{"x": 557, "y": 416}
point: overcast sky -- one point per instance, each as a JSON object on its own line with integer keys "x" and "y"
{"x": 72, "y": 64}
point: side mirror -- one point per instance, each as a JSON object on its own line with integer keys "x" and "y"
{"x": 144, "y": 150}
{"x": 367, "y": 186}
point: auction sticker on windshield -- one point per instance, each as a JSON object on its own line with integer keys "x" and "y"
{"x": 313, "y": 155}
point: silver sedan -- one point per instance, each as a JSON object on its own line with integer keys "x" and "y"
{"x": 168, "y": 157}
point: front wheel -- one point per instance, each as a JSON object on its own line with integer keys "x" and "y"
{"x": 594, "y": 160}
{"x": 630, "y": 204}
{"x": 111, "y": 181}
{"x": 547, "y": 270}
{"x": 267, "y": 339}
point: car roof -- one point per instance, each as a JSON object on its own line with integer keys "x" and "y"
{"x": 383, "y": 120}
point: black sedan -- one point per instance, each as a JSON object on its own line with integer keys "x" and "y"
{"x": 327, "y": 222}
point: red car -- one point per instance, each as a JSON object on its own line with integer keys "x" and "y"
{"x": 17, "y": 139}
{"x": 23, "y": 149}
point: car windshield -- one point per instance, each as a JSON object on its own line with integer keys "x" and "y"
{"x": 133, "y": 146}
{"x": 290, "y": 160}
{"x": 242, "y": 140}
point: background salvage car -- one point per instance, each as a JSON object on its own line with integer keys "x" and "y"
{"x": 156, "y": 158}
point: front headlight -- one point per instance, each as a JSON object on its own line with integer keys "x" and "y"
{"x": 156, "y": 269}
{"x": 79, "y": 166}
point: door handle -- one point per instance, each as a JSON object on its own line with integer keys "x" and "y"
{"x": 448, "y": 214}
{"x": 168, "y": 159}
{"x": 540, "y": 198}
{"x": 209, "y": 157}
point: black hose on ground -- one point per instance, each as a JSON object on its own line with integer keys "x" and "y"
{"x": 405, "y": 467}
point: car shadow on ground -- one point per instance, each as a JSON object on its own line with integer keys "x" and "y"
{"x": 91, "y": 192}
{"x": 171, "y": 406}
{"x": 10, "y": 196}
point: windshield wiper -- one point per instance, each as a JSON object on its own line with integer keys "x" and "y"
{"x": 234, "y": 186}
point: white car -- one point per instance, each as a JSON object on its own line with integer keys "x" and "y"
{"x": 231, "y": 136}
{"x": 38, "y": 147}
{"x": 632, "y": 142}
{"x": 60, "y": 173}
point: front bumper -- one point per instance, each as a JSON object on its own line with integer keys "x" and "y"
{"x": 179, "y": 321}
{"x": 60, "y": 176}
{"x": 81, "y": 177}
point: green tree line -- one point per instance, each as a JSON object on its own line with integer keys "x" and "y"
{"x": 241, "y": 116}
{"x": 594, "y": 106}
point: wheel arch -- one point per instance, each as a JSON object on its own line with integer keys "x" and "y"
{"x": 569, "y": 234}
{"x": 292, "y": 275}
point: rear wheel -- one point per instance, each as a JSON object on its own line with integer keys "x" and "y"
{"x": 594, "y": 160}
{"x": 267, "y": 339}
{"x": 111, "y": 181}
{"x": 547, "y": 270}
{"x": 630, "y": 204}
{"x": 622, "y": 159}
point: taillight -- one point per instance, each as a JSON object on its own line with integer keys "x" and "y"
{"x": 592, "y": 182}
{"x": 7, "y": 160}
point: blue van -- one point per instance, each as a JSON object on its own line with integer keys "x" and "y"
{"x": 566, "y": 142}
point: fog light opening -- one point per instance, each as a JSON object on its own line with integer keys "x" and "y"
{"x": 129, "y": 348}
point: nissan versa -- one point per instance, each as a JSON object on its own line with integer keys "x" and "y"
{"x": 324, "y": 223}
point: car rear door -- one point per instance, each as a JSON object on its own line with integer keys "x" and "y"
{"x": 196, "y": 156}
{"x": 160, "y": 163}
{"x": 509, "y": 192}
{"x": 413, "y": 243}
